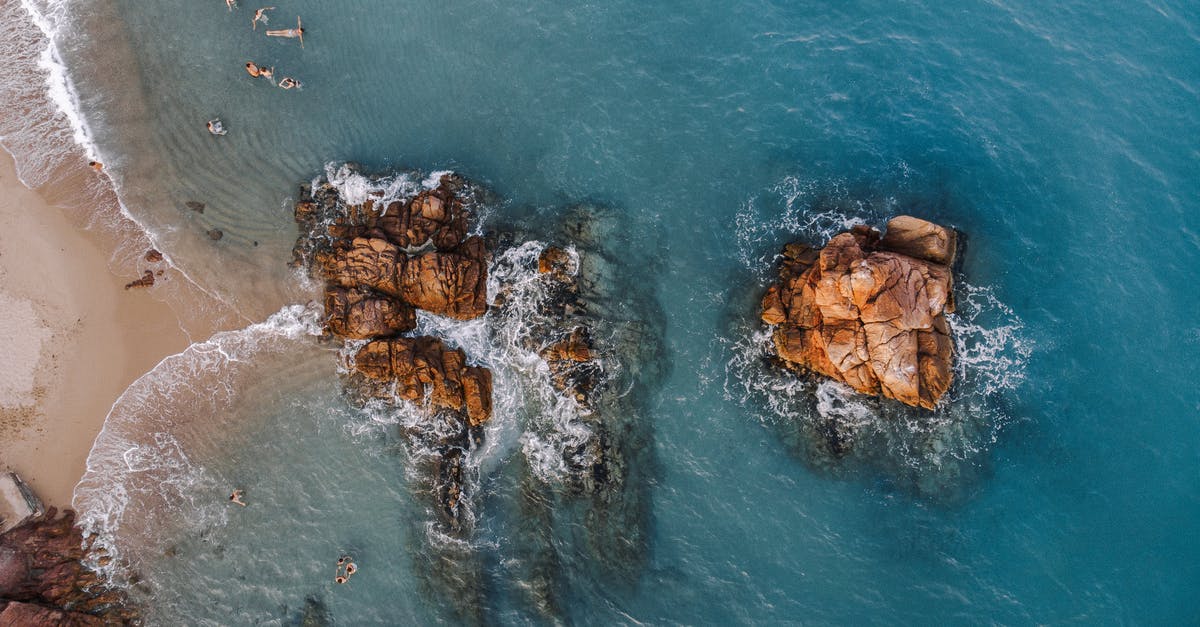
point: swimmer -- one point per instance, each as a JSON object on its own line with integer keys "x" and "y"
{"x": 231, "y": 4}
{"x": 260, "y": 16}
{"x": 215, "y": 127}
{"x": 350, "y": 570}
{"x": 267, "y": 73}
{"x": 236, "y": 497}
{"x": 340, "y": 579}
{"x": 288, "y": 82}
{"x": 253, "y": 69}
{"x": 290, "y": 33}
{"x": 96, "y": 165}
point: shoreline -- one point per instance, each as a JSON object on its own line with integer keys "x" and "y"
{"x": 84, "y": 338}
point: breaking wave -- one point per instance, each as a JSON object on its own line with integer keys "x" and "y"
{"x": 142, "y": 469}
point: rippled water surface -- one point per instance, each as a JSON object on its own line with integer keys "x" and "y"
{"x": 1058, "y": 485}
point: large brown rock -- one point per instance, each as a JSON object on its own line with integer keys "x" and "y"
{"x": 447, "y": 283}
{"x": 425, "y": 367}
{"x": 41, "y": 563}
{"x": 17, "y": 614}
{"x": 361, "y": 314}
{"x": 920, "y": 239}
{"x": 874, "y": 319}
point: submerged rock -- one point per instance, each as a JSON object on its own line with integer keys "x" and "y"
{"x": 870, "y": 311}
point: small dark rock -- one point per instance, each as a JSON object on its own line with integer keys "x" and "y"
{"x": 146, "y": 281}
{"x": 215, "y": 234}
{"x": 196, "y": 206}
{"x": 153, "y": 256}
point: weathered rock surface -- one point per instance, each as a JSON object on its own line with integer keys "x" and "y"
{"x": 43, "y": 578}
{"x": 17, "y": 614}
{"x": 380, "y": 264}
{"x": 447, "y": 283}
{"x": 866, "y": 312}
{"x": 425, "y": 367}
{"x": 360, "y": 314}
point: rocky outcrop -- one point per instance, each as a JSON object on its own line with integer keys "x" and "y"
{"x": 360, "y": 314}
{"x": 44, "y": 581}
{"x": 381, "y": 263}
{"x": 424, "y": 367}
{"x": 870, "y": 311}
{"x": 448, "y": 283}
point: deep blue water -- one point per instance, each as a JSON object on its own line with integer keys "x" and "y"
{"x": 1060, "y": 139}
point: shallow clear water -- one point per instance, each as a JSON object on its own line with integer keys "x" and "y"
{"x": 1060, "y": 139}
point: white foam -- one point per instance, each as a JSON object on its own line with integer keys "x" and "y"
{"x": 59, "y": 87}
{"x": 141, "y": 454}
{"x": 356, "y": 188}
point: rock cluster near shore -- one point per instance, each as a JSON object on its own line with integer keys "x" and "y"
{"x": 43, "y": 579}
{"x": 380, "y": 263}
{"x": 870, "y": 310}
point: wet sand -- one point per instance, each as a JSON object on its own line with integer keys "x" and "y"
{"x": 74, "y": 338}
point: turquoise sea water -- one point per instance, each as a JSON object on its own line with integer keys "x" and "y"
{"x": 1061, "y": 484}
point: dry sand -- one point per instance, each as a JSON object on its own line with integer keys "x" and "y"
{"x": 73, "y": 339}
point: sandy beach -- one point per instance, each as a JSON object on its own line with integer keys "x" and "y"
{"x": 74, "y": 338}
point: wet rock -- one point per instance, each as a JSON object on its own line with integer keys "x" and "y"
{"x": 42, "y": 567}
{"x": 447, "y": 283}
{"x": 362, "y": 314}
{"x": 16, "y": 613}
{"x": 424, "y": 367}
{"x": 195, "y": 205}
{"x": 146, "y": 281}
{"x": 153, "y": 256}
{"x": 870, "y": 317}
{"x": 215, "y": 234}
{"x": 557, "y": 262}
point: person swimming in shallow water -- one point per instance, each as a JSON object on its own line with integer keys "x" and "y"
{"x": 236, "y": 497}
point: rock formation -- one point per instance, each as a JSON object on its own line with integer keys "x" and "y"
{"x": 870, "y": 311}
{"x": 146, "y": 281}
{"x": 423, "y": 367}
{"x": 382, "y": 263}
{"x": 43, "y": 580}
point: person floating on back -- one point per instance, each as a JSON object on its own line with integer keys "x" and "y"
{"x": 215, "y": 127}
{"x": 253, "y": 69}
{"x": 290, "y": 33}
{"x": 288, "y": 82}
{"x": 260, "y": 16}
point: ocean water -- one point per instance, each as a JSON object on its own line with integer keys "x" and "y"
{"x": 1058, "y": 484}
